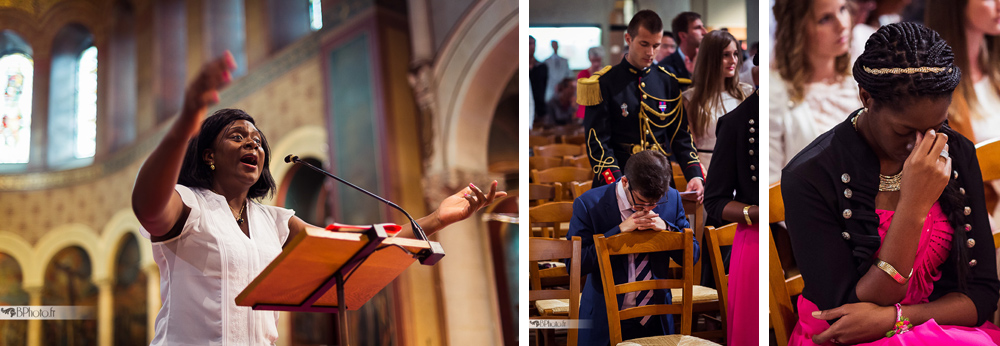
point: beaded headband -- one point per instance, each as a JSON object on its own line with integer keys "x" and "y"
{"x": 908, "y": 70}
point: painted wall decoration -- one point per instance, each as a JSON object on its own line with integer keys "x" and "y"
{"x": 68, "y": 281}
{"x": 12, "y": 293}
{"x": 130, "y": 295}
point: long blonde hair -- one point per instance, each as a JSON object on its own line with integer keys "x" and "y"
{"x": 790, "y": 37}
{"x": 707, "y": 89}
{"x": 948, "y": 19}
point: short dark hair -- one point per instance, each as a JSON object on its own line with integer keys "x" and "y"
{"x": 669, "y": 34}
{"x": 647, "y": 19}
{"x": 649, "y": 173}
{"x": 900, "y": 46}
{"x": 194, "y": 171}
{"x": 682, "y": 21}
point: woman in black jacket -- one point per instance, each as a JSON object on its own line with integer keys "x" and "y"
{"x": 886, "y": 211}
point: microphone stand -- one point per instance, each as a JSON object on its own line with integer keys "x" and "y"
{"x": 427, "y": 256}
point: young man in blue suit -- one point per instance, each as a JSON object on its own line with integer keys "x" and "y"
{"x": 641, "y": 200}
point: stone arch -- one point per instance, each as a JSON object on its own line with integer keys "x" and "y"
{"x": 305, "y": 141}
{"x": 122, "y": 223}
{"x": 16, "y": 247}
{"x": 60, "y": 238}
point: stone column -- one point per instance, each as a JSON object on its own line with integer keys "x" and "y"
{"x": 34, "y": 326}
{"x": 105, "y": 311}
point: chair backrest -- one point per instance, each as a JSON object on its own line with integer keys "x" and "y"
{"x": 576, "y": 138}
{"x": 783, "y": 316}
{"x": 680, "y": 182}
{"x": 540, "y": 140}
{"x": 988, "y": 153}
{"x": 581, "y": 161}
{"x": 540, "y": 249}
{"x": 561, "y": 175}
{"x": 551, "y": 216}
{"x": 559, "y": 150}
{"x": 715, "y": 238}
{"x": 544, "y": 162}
{"x": 646, "y": 242}
{"x": 577, "y": 188}
{"x": 539, "y": 194}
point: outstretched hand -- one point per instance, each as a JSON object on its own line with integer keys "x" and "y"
{"x": 465, "y": 202}
{"x": 204, "y": 89}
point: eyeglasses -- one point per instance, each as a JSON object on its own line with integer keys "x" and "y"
{"x": 637, "y": 205}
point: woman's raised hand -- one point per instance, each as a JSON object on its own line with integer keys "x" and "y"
{"x": 462, "y": 204}
{"x": 926, "y": 171}
{"x": 204, "y": 89}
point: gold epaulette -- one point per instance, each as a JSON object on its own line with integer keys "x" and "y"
{"x": 679, "y": 80}
{"x": 588, "y": 91}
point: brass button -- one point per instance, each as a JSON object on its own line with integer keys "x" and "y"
{"x": 848, "y": 193}
{"x": 754, "y": 178}
{"x": 968, "y": 211}
{"x": 753, "y": 168}
{"x": 968, "y": 228}
{"x": 961, "y": 190}
{"x": 970, "y": 243}
{"x": 643, "y": 84}
{"x": 752, "y": 140}
{"x": 751, "y": 121}
{"x": 973, "y": 262}
{"x": 643, "y": 96}
{"x": 752, "y": 130}
{"x": 751, "y": 152}
{"x": 847, "y": 213}
{"x": 954, "y": 174}
{"x": 846, "y": 178}
{"x": 847, "y": 236}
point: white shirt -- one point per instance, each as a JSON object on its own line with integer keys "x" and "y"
{"x": 203, "y": 269}
{"x": 793, "y": 126}
{"x": 625, "y": 209}
{"x": 558, "y": 70}
{"x": 987, "y": 124}
{"x": 707, "y": 140}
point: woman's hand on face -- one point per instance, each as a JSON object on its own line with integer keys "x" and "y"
{"x": 859, "y": 322}
{"x": 204, "y": 89}
{"x": 925, "y": 172}
{"x": 462, "y": 204}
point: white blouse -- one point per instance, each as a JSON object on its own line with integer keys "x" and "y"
{"x": 793, "y": 126}
{"x": 706, "y": 142}
{"x": 203, "y": 269}
{"x": 987, "y": 125}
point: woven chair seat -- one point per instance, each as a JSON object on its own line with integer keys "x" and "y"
{"x": 668, "y": 340}
{"x": 552, "y": 307}
{"x": 701, "y": 294}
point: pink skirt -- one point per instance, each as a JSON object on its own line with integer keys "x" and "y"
{"x": 742, "y": 317}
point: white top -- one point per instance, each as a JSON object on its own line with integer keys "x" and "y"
{"x": 625, "y": 209}
{"x": 859, "y": 36}
{"x": 987, "y": 125}
{"x": 558, "y": 70}
{"x": 203, "y": 269}
{"x": 707, "y": 141}
{"x": 793, "y": 126}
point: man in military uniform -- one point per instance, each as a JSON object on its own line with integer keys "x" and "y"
{"x": 632, "y": 107}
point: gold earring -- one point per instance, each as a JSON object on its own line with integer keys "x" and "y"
{"x": 211, "y": 166}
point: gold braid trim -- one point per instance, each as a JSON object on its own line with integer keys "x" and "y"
{"x": 588, "y": 90}
{"x": 679, "y": 80}
{"x": 908, "y": 70}
{"x": 604, "y": 161}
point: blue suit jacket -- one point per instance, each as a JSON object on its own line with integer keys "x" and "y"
{"x": 596, "y": 212}
{"x": 675, "y": 64}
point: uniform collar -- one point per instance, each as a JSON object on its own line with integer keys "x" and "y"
{"x": 628, "y": 66}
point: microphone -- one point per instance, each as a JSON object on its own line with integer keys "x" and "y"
{"x": 426, "y": 256}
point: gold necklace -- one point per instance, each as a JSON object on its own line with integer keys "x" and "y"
{"x": 239, "y": 218}
{"x": 889, "y": 182}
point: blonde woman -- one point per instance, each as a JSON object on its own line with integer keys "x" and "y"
{"x": 717, "y": 89}
{"x": 811, "y": 88}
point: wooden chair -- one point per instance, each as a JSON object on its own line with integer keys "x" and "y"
{"x": 715, "y": 238}
{"x": 559, "y": 150}
{"x": 783, "y": 317}
{"x": 581, "y": 161}
{"x": 576, "y": 138}
{"x": 577, "y": 188}
{"x": 539, "y": 194}
{"x": 648, "y": 242}
{"x": 555, "y": 303}
{"x": 544, "y": 162}
{"x": 680, "y": 182}
{"x": 562, "y": 175}
{"x": 537, "y": 140}
{"x": 988, "y": 153}
{"x": 551, "y": 216}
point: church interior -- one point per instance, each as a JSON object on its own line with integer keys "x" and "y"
{"x": 411, "y": 99}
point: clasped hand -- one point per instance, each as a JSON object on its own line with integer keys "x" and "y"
{"x": 859, "y": 322}
{"x": 642, "y": 220}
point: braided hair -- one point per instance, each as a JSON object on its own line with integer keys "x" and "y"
{"x": 905, "y": 61}
{"x": 906, "y": 46}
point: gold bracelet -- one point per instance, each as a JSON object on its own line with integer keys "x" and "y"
{"x": 746, "y": 214}
{"x": 889, "y": 269}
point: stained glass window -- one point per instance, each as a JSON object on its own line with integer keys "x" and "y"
{"x": 86, "y": 104}
{"x": 15, "y": 109}
{"x": 315, "y": 14}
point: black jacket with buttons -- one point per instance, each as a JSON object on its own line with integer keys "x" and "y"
{"x": 829, "y": 191}
{"x": 634, "y": 101}
{"x": 735, "y": 165}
